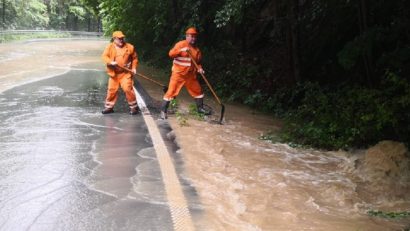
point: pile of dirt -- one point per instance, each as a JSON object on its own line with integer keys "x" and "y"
{"x": 388, "y": 159}
{"x": 385, "y": 173}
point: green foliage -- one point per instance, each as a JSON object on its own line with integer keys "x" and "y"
{"x": 350, "y": 54}
{"x": 270, "y": 136}
{"x": 192, "y": 110}
{"x": 389, "y": 215}
{"x": 49, "y": 14}
{"x": 231, "y": 10}
{"x": 174, "y": 105}
{"x": 78, "y": 11}
{"x": 182, "y": 119}
{"x": 350, "y": 116}
{"x": 32, "y": 14}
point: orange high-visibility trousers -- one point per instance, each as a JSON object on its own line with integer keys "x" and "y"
{"x": 177, "y": 81}
{"x": 126, "y": 82}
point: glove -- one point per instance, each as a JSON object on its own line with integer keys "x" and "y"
{"x": 201, "y": 71}
{"x": 184, "y": 49}
{"x": 134, "y": 71}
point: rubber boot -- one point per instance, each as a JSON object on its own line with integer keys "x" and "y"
{"x": 164, "y": 109}
{"x": 107, "y": 110}
{"x": 200, "y": 106}
{"x": 134, "y": 111}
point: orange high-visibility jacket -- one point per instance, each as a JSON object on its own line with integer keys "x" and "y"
{"x": 182, "y": 63}
{"x": 129, "y": 59}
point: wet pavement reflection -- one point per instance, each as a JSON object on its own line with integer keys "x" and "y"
{"x": 65, "y": 166}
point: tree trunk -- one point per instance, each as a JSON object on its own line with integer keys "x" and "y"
{"x": 99, "y": 24}
{"x": 75, "y": 23}
{"x": 175, "y": 11}
{"x": 4, "y": 14}
{"x": 88, "y": 22}
{"x": 366, "y": 56}
{"x": 294, "y": 39}
{"x": 67, "y": 22}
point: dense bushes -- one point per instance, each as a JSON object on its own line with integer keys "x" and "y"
{"x": 348, "y": 116}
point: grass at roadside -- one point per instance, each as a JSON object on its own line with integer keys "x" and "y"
{"x": 389, "y": 215}
{"x": 184, "y": 115}
{"x": 9, "y": 37}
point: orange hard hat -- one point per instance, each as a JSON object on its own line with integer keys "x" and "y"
{"x": 191, "y": 30}
{"x": 118, "y": 34}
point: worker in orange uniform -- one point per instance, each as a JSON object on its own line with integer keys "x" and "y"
{"x": 116, "y": 55}
{"x": 184, "y": 72}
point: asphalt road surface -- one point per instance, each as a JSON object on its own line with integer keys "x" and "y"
{"x": 65, "y": 166}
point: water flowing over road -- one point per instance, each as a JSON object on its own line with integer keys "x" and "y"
{"x": 60, "y": 171}
{"x": 64, "y": 166}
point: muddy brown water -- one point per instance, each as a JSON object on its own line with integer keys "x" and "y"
{"x": 244, "y": 183}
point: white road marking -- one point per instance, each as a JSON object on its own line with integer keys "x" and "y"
{"x": 180, "y": 214}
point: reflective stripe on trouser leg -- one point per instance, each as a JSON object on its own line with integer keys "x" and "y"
{"x": 113, "y": 85}
{"x": 133, "y": 105}
{"x": 109, "y": 105}
{"x": 127, "y": 85}
{"x": 193, "y": 87}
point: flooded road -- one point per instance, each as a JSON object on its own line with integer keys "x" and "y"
{"x": 240, "y": 182}
{"x": 64, "y": 166}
